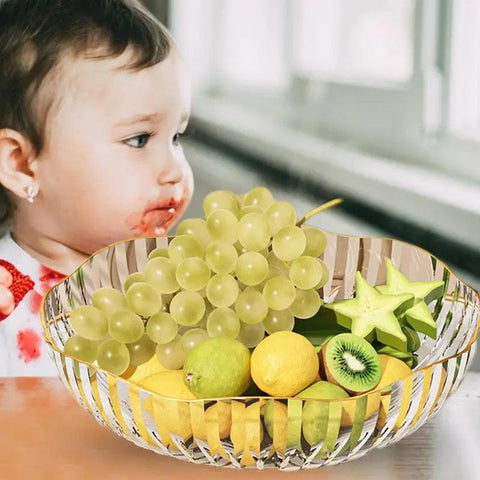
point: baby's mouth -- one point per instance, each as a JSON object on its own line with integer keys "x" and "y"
{"x": 158, "y": 220}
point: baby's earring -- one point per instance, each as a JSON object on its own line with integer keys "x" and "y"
{"x": 31, "y": 192}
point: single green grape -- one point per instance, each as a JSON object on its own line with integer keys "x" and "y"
{"x": 141, "y": 351}
{"x": 82, "y": 348}
{"x": 279, "y": 293}
{"x": 289, "y": 243}
{"x": 253, "y": 231}
{"x": 280, "y": 215}
{"x": 89, "y": 322}
{"x": 259, "y": 197}
{"x": 325, "y": 275}
{"x": 222, "y": 290}
{"x": 223, "y": 322}
{"x": 187, "y": 308}
{"x": 158, "y": 252}
{"x": 306, "y": 272}
{"x": 280, "y": 265}
{"x": 196, "y": 228}
{"x": 113, "y": 356}
{"x": 125, "y": 326}
{"x": 251, "y": 334}
{"x": 109, "y": 300}
{"x": 162, "y": 328}
{"x": 251, "y": 306}
{"x": 160, "y": 273}
{"x": 279, "y": 321}
{"x": 192, "y": 274}
{"x": 184, "y": 246}
{"x": 171, "y": 355}
{"x": 306, "y": 304}
{"x": 220, "y": 200}
{"x": 223, "y": 225}
{"x": 136, "y": 277}
{"x": 316, "y": 241}
{"x": 252, "y": 268}
{"x": 193, "y": 337}
{"x": 143, "y": 299}
{"x": 221, "y": 257}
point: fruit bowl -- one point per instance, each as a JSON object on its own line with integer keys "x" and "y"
{"x": 231, "y": 432}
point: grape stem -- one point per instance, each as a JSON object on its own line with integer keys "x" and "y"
{"x": 317, "y": 210}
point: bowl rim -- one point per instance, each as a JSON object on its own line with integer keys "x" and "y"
{"x": 243, "y": 398}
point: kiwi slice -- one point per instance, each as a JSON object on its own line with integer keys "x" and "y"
{"x": 351, "y": 362}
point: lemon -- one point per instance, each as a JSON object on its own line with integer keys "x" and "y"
{"x": 172, "y": 415}
{"x": 145, "y": 370}
{"x": 284, "y": 363}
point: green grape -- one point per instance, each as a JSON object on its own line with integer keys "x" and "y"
{"x": 113, "y": 356}
{"x": 89, "y": 322}
{"x": 171, "y": 355}
{"x": 306, "y": 304}
{"x": 280, "y": 265}
{"x": 125, "y": 326}
{"x": 187, "y": 308}
{"x": 182, "y": 329}
{"x": 193, "y": 337}
{"x": 143, "y": 299}
{"x": 316, "y": 241}
{"x": 82, "y": 348}
{"x": 251, "y": 306}
{"x": 158, "y": 252}
{"x": 141, "y": 351}
{"x": 184, "y": 246}
{"x": 223, "y": 225}
{"x": 325, "y": 275}
{"x": 197, "y": 228}
{"x": 221, "y": 257}
{"x": 289, "y": 243}
{"x": 160, "y": 273}
{"x": 240, "y": 248}
{"x": 220, "y": 199}
{"x": 108, "y": 300}
{"x": 162, "y": 328}
{"x": 223, "y": 322}
{"x": 166, "y": 299}
{"x": 222, "y": 290}
{"x": 279, "y": 321}
{"x": 250, "y": 209}
{"x": 252, "y": 268}
{"x": 253, "y": 231}
{"x": 306, "y": 272}
{"x": 192, "y": 274}
{"x": 279, "y": 215}
{"x": 279, "y": 293}
{"x": 135, "y": 277}
{"x": 259, "y": 196}
{"x": 251, "y": 334}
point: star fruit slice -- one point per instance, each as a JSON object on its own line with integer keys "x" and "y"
{"x": 418, "y": 316}
{"x": 372, "y": 314}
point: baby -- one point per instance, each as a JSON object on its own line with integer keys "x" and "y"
{"x": 94, "y": 98}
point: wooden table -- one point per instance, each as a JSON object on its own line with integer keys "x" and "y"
{"x": 45, "y": 434}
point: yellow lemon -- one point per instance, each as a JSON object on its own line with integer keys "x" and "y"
{"x": 284, "y": 363}
{"x": 145, "y": 370}
{"x": 172, "y": 415}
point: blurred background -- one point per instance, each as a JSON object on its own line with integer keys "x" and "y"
{"x": 376, "y": 102}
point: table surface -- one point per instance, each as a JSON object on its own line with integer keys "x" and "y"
{"x": 45, "y": 434}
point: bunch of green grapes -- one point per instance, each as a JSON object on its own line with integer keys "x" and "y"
{"x": 243, "y": 270}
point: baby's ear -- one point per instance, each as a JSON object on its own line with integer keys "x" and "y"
{"x": 17, "y": 157}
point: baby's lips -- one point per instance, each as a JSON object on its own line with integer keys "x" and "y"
{"x": 7, "y": 301}
{"x": 5, "y": 277}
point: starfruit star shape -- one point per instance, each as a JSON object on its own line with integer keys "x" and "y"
{"x": 373, "y": 315}
{"x": 418, "y": 316}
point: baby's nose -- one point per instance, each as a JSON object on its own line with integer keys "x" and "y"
{"x": 172, "y": 172}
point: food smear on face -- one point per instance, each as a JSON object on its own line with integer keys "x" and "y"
{"x": 157, "y": 217}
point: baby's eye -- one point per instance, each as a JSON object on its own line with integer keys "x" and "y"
{"x": 138, "y": 141}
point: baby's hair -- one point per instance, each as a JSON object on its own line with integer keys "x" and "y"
{"x": 35, "y": 34}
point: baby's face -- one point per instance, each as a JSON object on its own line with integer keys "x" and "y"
{"x": 113, "y": 166}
